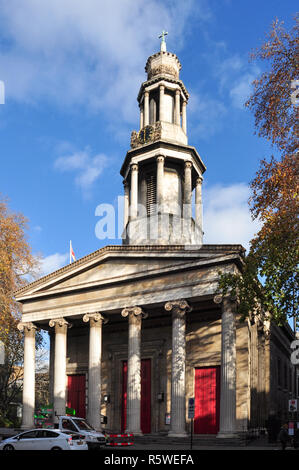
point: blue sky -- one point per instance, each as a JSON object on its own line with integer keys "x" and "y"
{"x": 72, "y": 71}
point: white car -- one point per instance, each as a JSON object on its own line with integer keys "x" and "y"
{"x": 45, "y": 439}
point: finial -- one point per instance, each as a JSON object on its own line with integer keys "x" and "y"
{"x": 163, "y": 42}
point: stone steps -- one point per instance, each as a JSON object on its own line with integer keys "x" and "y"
{"x": 202, "y": 440}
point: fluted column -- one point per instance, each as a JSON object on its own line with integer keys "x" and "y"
{"x": 178, "y": 384}
{"x": 160, "y": 181}
{"x": 161, "y": 103}
{"x": 135, "y": 315}
{"x": 134, "y": 191}
{"x": 61, "y": 326}
{"x": 29, "y": 374}
{"x": 228, "y": 368}
{"x": 94, "y": 368}
{"x": 146, "y": 109}
{"x": 177, "y": 107}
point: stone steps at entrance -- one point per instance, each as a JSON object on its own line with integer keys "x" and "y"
{"x": 198, "y": 440}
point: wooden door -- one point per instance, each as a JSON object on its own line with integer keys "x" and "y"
{"x": 207, "y": 400}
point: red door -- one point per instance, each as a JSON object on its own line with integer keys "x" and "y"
{"x": 76, "y": 394}
{"x": 145, "y": 411}
{"x": 207, "y": 400}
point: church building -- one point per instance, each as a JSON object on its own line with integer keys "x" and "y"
{"x": 137, "y": 329}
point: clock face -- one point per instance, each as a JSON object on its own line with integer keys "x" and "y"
{"x": 145, "y": 134}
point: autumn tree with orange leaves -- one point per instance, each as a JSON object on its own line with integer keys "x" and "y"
{"x": 16, "y": 261}
{"x": 270, "y": 276}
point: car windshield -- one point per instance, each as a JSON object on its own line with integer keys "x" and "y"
{"x": 82, "y": 424}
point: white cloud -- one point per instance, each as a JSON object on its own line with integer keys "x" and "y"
{"x": 226, "y": 217}
{"x": 208, "y": 113}
{"x": 87, "y": 53}
{"x": 53, "y": 262}
{"x": 87, "y": 167}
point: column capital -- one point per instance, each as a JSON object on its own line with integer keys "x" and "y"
{"x": 60, "y": 323}
{"x": 134, "y": 166}
{"x": 178, "y": 92}
{"x": 146, "y": 93}
{"x": 199, "y": 180}
{"x": 133, "y": 311}
{"x": 125, "y": 183}
{"x": 188, "y": 164}
{"x": 220, "y": 299}
{"x": 160, "y": 158}
{"x": 26, "y": 326}
{"x": 162, "y": 87}
{"x": 95, "y": 318}
{"x": 178, "y": 307}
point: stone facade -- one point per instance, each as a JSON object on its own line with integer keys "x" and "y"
{"x": 141, "y": 322}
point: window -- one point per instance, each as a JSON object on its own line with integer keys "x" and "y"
{"x": 151, "y": 190}
{"x": 28, "y": 435}
{"x": 43, "y": 433}
{"x": 67, "y": 424}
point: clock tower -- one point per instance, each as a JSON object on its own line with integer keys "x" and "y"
{"x": 161, "y": 171}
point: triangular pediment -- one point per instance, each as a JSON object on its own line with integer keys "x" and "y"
{"x": 116, "y": 264}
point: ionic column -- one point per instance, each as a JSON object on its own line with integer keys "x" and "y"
{"x": 184, "y": 117}
{"x": 146, "y": 109}
{"x": 135, "y": 315}
{"x": 134, "y": 191}
{"x": 161, "y": 103}
{"x": 177, "y": 107}
{"x": 178, "y": 391}
{"x": 29, "y": 374}
{"x": 188, "y": 190}
{"x": 61, "y": 326}
{"x": 228, "y": 368}
{"x": 126, "y": 203}
{"x": 141, "y": 116}
{"x": 198, "y": 203}
{"x": 94, "y": 368}
{"x": 160, "y": 181}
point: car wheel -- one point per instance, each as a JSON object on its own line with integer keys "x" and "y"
{"x": 56, "y": 448}
{"x": 8, "y": 447}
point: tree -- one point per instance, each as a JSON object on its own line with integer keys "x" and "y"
{"x": 270, "y": 276}
{"x": 16, "y": 261}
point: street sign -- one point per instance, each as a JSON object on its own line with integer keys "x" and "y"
{"x": 293, "y": 405}
{"x": 191, "y": 408}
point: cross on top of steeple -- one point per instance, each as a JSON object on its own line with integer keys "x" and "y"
{"x": 163, "y": 42}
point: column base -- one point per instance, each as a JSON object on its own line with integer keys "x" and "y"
{"x": 227, "y": 435}
{"x": 135, "y": 433}
{"x": 177, "y": 434}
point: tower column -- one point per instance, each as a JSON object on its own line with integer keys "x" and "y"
{"x": 126, "y": 204}
{"x": 177, "y": 107}
{"x": 198, "y": 203}
{"x": 188, "y": 190}
{"x": 134, "y": 191}
{"x": 184, "y": 117}
{"x": 29, "y": 374}
{"x": 228, "y": 368}
{"x": 94, "y": 368}
{"x": 134, "y": 315}
{"x": 141, "y": 116}
{"x": 161, "y": 103}
{"x": 160, "y": 181}
{"x": 61, "y": 326}
{"x": 146, "y": 109}
{"x": 179, "y": 308}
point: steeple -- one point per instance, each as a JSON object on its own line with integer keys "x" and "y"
{"x": 161, "y": 170}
